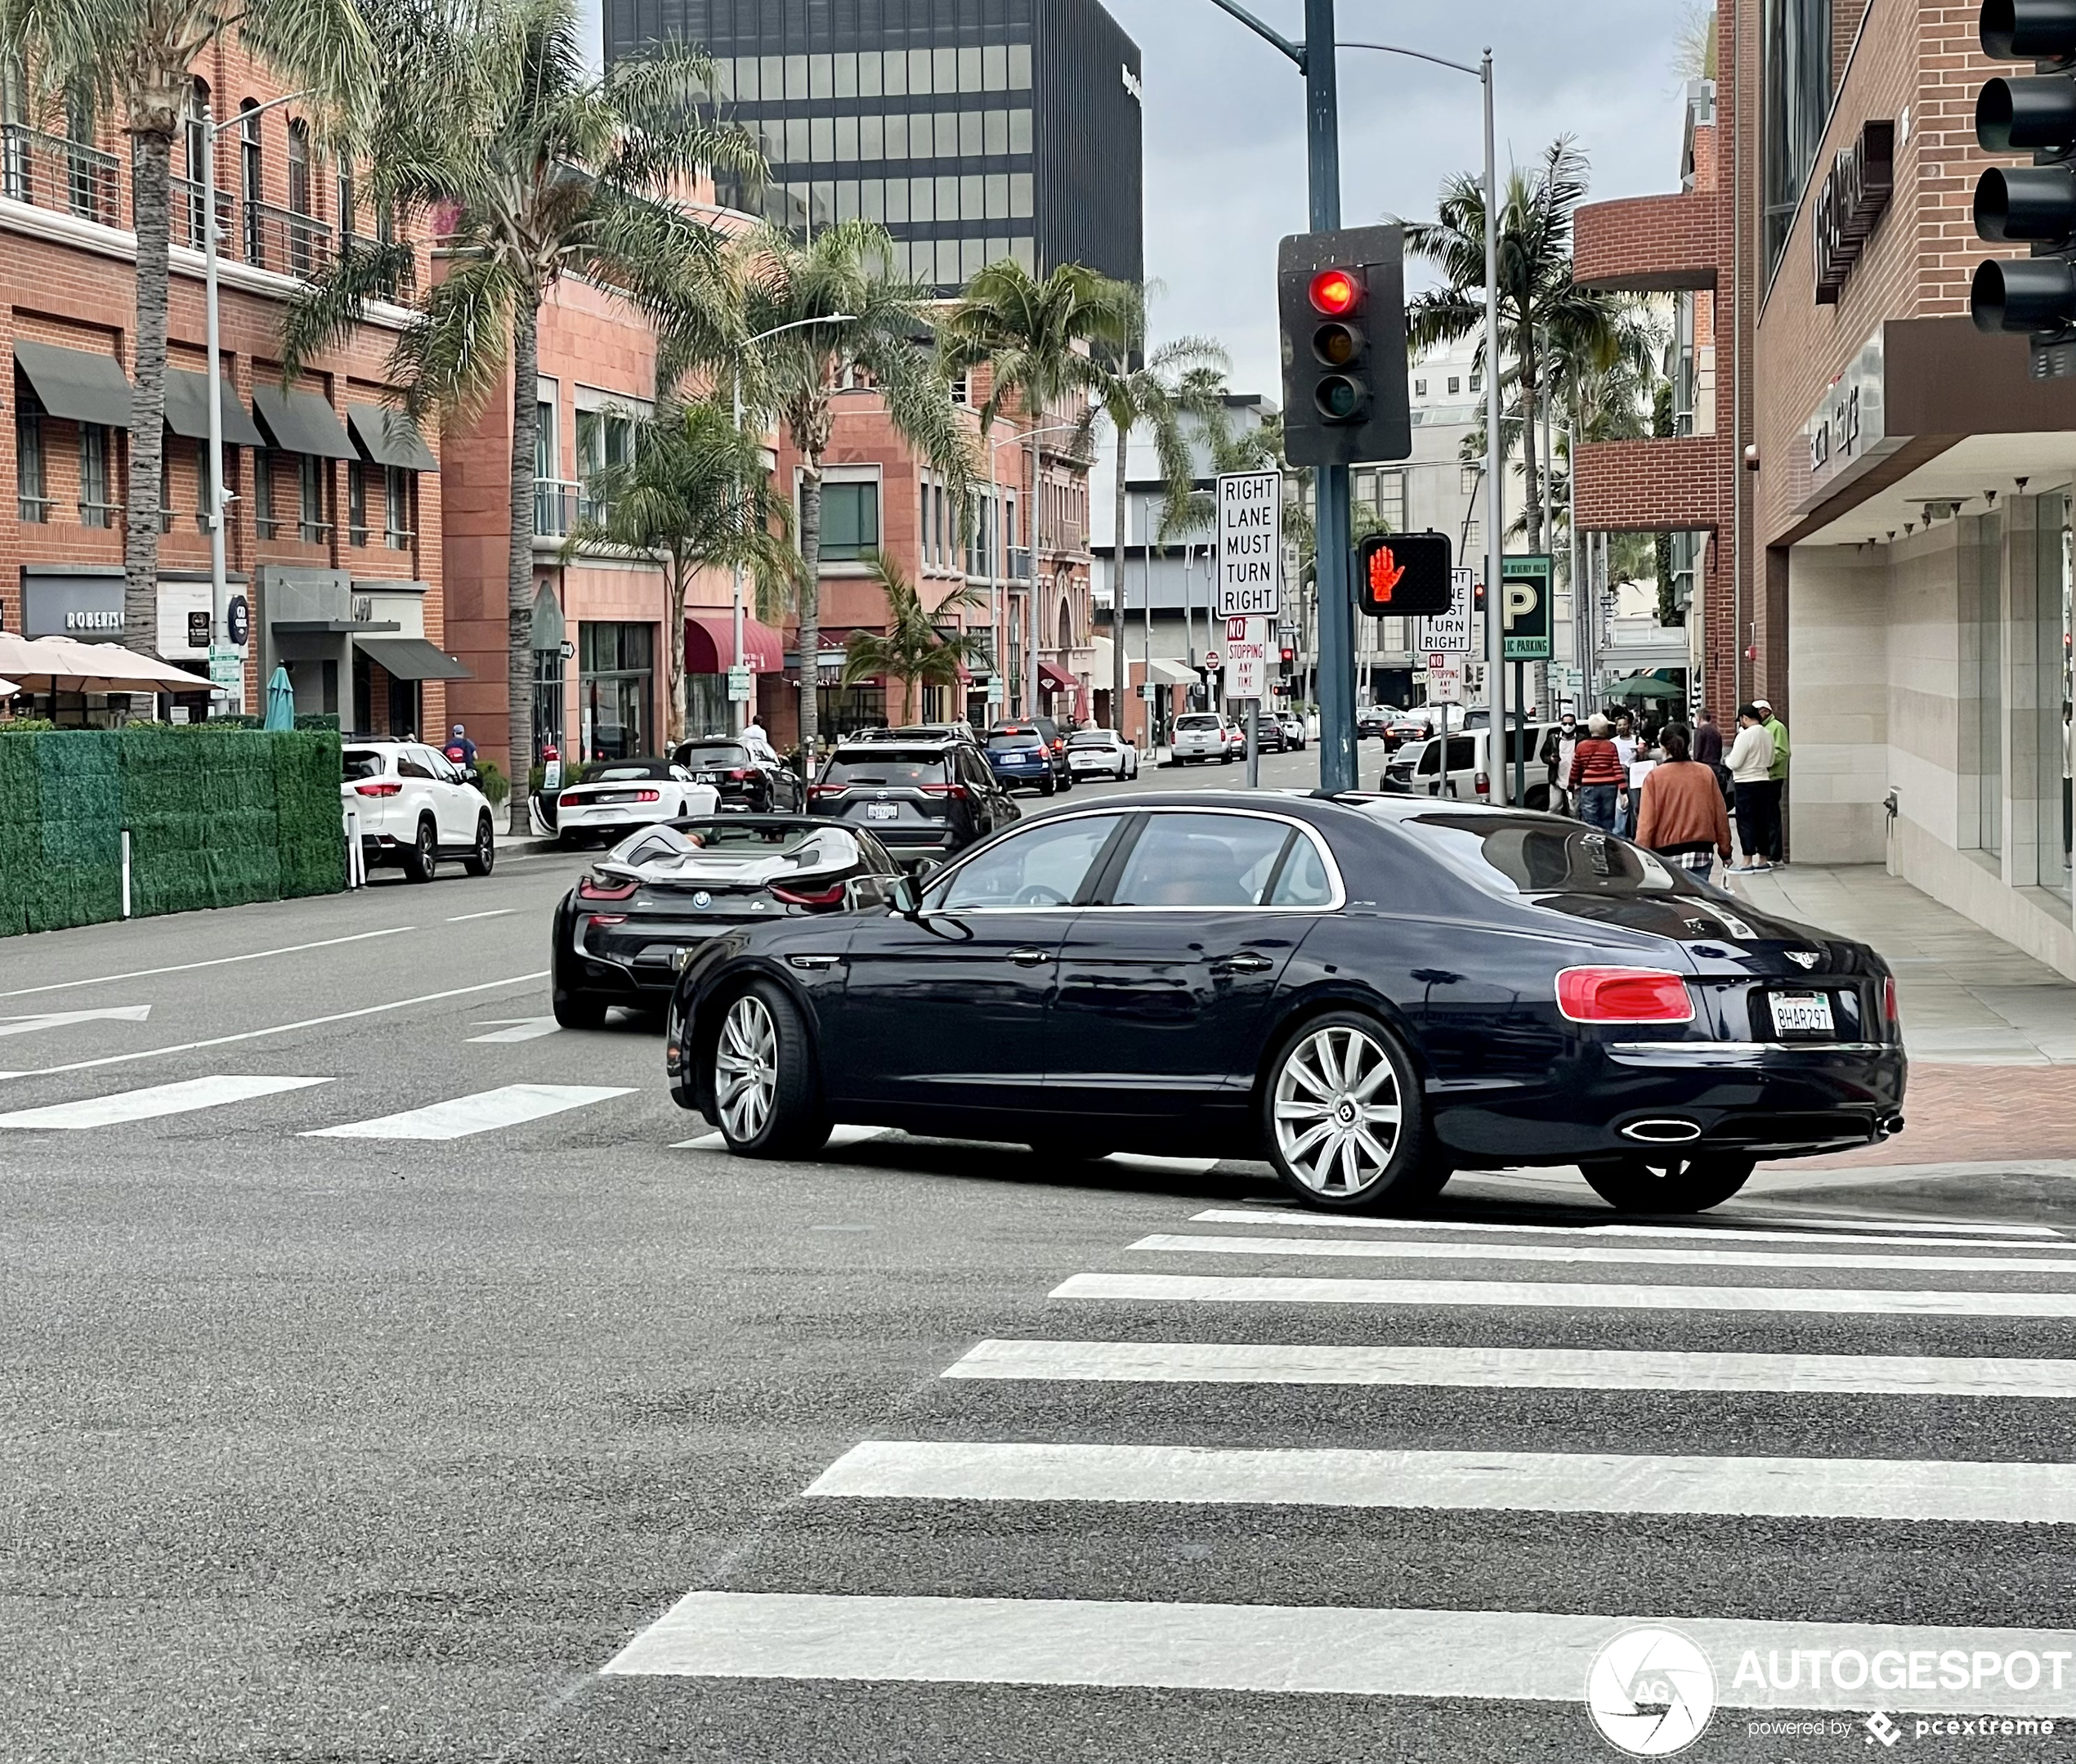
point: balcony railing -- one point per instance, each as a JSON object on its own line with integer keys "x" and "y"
{"x": 53, "y": 173}
{"x": 397, "y": 288}
{"x": 185, "y": 217}
{"x": 555, "y": 508}
{"x": 283, "y": 240}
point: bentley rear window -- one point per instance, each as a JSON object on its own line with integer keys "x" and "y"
{"x": 1536, "y": 856}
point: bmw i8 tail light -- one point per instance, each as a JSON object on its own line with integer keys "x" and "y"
{"x": 597, "y": 887}
{"x": 1624, "y": 995}
{"x": 832, "y": 896}
{"x": 376, "y": 789}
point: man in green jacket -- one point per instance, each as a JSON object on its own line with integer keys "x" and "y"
{"x": 1776, "y": 784}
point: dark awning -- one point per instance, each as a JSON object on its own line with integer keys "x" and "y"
{"x": 387, "y": 439}
{"x": 412, "y": 658}
{"x": 187, "y": 410}
{"x": 301, "y": 422}
{"x": 75, "y": 385}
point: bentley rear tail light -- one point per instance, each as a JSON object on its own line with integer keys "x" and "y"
{"x": 1624, "y": 995}
{"x": 1891, "y": 1005}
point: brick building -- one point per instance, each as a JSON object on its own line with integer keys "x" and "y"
{"x": 334, "y": 540}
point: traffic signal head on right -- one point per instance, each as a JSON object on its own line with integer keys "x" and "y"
{"x": 2033, "y": 205}
{"x": 1341, "y": 301}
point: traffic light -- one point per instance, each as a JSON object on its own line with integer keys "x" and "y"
{"x": 1342, "y": 300}
{"x": 1400, "y": 575}
{"x": 2033, "y": 205}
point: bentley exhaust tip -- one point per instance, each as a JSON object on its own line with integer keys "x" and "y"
{"x": 1662, "y": 1132}
{"x": 1892, "y": 1126}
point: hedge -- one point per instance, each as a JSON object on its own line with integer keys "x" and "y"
{"x": 217, "y": 815}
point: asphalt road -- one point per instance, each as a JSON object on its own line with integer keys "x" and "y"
{"x": 370, "y": 1445}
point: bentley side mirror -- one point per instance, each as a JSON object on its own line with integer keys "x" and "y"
{"x": 904, "y": 895}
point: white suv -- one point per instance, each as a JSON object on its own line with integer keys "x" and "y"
{"x": 416, "y": 806}
{"x": 1201, "y": 735}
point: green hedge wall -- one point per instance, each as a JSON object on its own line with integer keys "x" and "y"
{"x": 217, "y": 816}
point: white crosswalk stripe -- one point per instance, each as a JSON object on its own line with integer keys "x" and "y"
{"x": 153, "y": 1101}
{"x": 507, "y": 1106}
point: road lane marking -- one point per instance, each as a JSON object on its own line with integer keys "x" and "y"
{"x": 1946, "y": 1491}
{"x": 59, "y": 1019}
{"x": 1972, "y": 1227}
{"x": 495, "y": 912}
{"x": 1870, "y": 1301}
{"x": 1516, "y": 1368}
{"x": 519, "y": 1029}
{"x": 1530, "y": 1656}
{"x": 839, "y": 1137}
{"x": 1183, "y": 1167}
{"x": 153, "y": 1101}
{"x": 1658, "y": 1254}
{"x": 214, "y": 961}
{"x": 1262, "y": 1215}
{"x": 285, "y": 1029}
{"x": 507, "y": 1106}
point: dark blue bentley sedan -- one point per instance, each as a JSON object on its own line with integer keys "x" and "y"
{"x": 1371, "y": 992}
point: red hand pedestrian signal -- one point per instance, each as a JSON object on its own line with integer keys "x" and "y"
{"x": 1386, "y": 572}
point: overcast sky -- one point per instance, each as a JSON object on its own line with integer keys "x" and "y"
{"x": 1225, "y": 138}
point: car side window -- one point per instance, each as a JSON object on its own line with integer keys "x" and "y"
{"x": 409, "y": 764}
{"x": 1201, "y": 860}
{"x": 441, "y": 767}
{"x": 1303, "y": 881}
{"x": 1043, "y": 866}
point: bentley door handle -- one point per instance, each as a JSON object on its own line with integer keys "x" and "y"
{"x": 1029, "y": 958}
{"x": 812, "y": 961}
{"x": 1244, "y": 964}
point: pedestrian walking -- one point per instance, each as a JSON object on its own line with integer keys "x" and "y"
{"x": 1552, "y": 754}
{"x": 1568, "y": 740}
{"x": 459, "y": 748}
{"x": 1751, "y": 763}
{"x": 1597, "y": 775}
{"x": 1776, "y": 786}
{"x": 1708, "y": 750}
{"x": 1639, "y": 767}
{"x": 1681, "y": 814}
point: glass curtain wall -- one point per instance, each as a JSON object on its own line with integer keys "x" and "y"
{"x": 1989, "y": 682}
{"x": 1796, "y": 75}
{"x": 2051, "y": 654}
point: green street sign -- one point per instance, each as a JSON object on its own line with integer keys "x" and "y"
{"x": 1525, "y": 596}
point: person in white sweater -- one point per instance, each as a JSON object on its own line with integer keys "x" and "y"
{"x": 1750, "y": 761}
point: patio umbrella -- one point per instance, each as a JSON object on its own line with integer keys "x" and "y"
{"x": 65, "y": 665}
{"x": 8, "y": 689}
{"x": 1642, "y": 686}
{"x": 280, "y": 701}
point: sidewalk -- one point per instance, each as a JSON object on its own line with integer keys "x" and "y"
{"x": 1991, "y": 1033}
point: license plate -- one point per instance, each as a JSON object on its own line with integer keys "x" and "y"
{"x": 882, "y": 811}
{"x": 1802, "y": 1013}
{"x": 707, "y": 778}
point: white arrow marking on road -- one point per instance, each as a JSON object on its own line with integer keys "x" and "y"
{"x": 57, "y": 1019}
{"x": 517, "y": 1029}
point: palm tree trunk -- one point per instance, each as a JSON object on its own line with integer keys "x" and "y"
{"x": 150, "y": 167}
{"x": 1117, "y": 668}
{"x": 519, "y": 577}
{"x": 681, "y": 572}
{"x": 1531, "y": 478}
{"x": 810, "y": 605}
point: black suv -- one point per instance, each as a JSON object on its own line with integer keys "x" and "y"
{"x": 751, "y": 779}
{"x": 924, "y": 797}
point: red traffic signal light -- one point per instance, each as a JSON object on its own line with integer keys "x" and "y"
{"x": 1336, "y": 293}
{"x": 1288, "y": 655}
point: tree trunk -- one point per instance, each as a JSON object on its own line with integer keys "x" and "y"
{"x": 680, "y": 571}
{"x": 519, "y": 578}
{"x": 1117, "y": 668}
{"x": 150, "y": 167}
{"x": 1532, "y": 479}
{"x": 810, "y": 605}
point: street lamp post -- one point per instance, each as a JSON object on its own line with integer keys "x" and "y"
{"x": 810, "y": 672}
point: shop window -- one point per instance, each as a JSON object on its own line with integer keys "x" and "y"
{"x": 850, "y": 520}
{"x": 616, "y": 679}
{"x": 32, "y": 503}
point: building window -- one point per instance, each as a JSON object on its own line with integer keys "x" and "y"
{"x": 1469, "y": 477}
{"x": 348, "y": 202}
{"x": 1477, "y": 383}
{"x": 2051, "y": 653}
{"x": 1384, "y": 494}
{"x": 249, "y": 171}
{"x": 1420, "y": 389}
{"x": 1795, "y": 52}
{"x": 1989, "y": 682}
{"x": 32, "y": 502}
{"x": 311, "y": 474}
{"x": 356, "y": 503}
{"x": 165, "y": 488}
{"x": 850, "y": 520}
{"x": 616, "y": 675}
{"x": 263, "y": 520}
{"x": 95, "y": 508}
{"x": 1455, "y": 385}
{"x": 400, "y": 499}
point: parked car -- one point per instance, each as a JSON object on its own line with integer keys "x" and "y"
{"x": 1371, "y": 992}
{"x": 1202, "y": 734}
{"x": 1053, "y": 735}
{"x": 1294, "y": 733}
{"x": 1269, "y": 734}
{"x": 960, "y": 729}
{"x": 1101, "y": 754}
{"x": 667, "y": 888}
{"x": 615, "y": 796}
{"x": 1021, "y": 757}
{"x": 1418, "y": 765}
{"x": 750, "y": 777}
{"x": 415, "y": 807}
{"x": 922, "y": 799}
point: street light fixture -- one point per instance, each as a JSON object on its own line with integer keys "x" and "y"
{"x": 810, "y": 672}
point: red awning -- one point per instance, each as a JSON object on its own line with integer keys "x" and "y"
{"x": 1058, "y": 678}
{"x": 710, "y": 644}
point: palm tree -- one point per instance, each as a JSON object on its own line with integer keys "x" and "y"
{"x": 913, "y": 651}
{"x": 866, "y": 318}
{"x": 1039, "y": 339}
{"x": 1184, "y": 377}
{"x": 695, "y": 494}
{"x": 1543, "y": 311}
{"x": 139, "y": 55}
{"x": 531, "y": 166}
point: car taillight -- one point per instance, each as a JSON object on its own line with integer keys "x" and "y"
{"x": 595, "y": 888}
{"x": 1623, "y": 995}
{"x": 1891, "y": 1005}
{"x": 739, "y": 772}
{"x": 609, "y": 918}
{"x": 648, "y": 796}
{"x": 826, "y": 790}
{"x": 376, "y": 790}
{"x": 829, "y": 896}
{"x": 958, "y": 791}
{"x": 568, "y": 800}
{"x": 1059, "y": 747}
{"x": 1484, "y": 785}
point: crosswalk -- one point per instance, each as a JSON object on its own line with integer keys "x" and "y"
{"x": 1866, "y": 1408}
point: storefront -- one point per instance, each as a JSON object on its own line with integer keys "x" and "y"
{"x": 616, "y": 689}
{"x": 356, "y": 650}
{"x": 710, "y": 652}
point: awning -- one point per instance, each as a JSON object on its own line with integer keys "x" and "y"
{"x": 710, "y": 644}
{"x": 76, "y": 386}
{"x": 301, "y": 422}
{"x": 1171, "y": 673}
{"x": 411, "y": 658}
{"x": 387, "y": 439}
{"x": 187, "y": 410}
{"x": 1057, "y": 678}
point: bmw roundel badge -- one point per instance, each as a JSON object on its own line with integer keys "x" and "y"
{"x": 702, "y": 899}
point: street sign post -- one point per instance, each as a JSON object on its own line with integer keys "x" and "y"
{"x": 1444, "y": 679}
{"x": 997, "y": 693}
{"x": 1250, "y": 541}
{"x": 739, "y": 685}
{"x": 1246, "y": 655}
{"x": 1524, "y": 596}
{"x": 1449, "y": 633}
